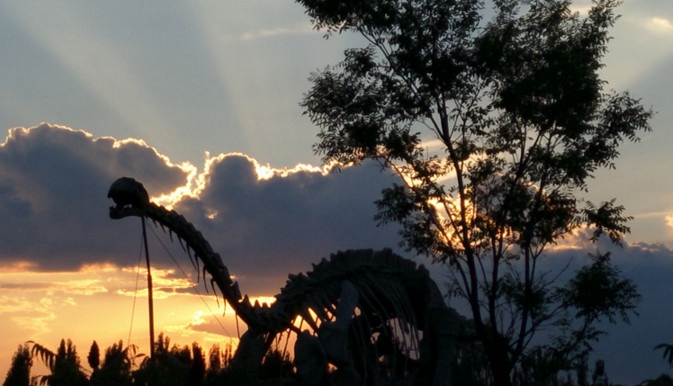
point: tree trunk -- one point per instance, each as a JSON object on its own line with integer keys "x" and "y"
{"x": 500, "y": 365}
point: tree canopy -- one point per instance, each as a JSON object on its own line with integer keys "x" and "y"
{"x": 495, "y": 127}
{"x": 19, "y": 371}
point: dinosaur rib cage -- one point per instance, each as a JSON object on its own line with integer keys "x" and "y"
{"x": 388, "y": 322}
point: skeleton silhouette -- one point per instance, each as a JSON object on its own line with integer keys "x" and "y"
{"x": 369, "y": 317}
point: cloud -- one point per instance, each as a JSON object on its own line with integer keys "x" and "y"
{"x": 30, "y": 314}
{"x": 211, "y": 323}
{"x": 298, "y": 29}
{"x": 660, "y": 25}
{"x": 267, "y": 223}
{"x": 264, "y": 222}
{"x": 669, "y": 221}
{"x": 53, "y": 187}
{"x": 629, "y": 349}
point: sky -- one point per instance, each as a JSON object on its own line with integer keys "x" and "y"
{"x": 201, "y": 100}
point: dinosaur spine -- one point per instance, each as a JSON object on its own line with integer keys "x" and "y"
{"x": 201, "y": 249}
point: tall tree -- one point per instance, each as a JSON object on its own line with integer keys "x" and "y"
{"x": 116, "y": 368}
{"x": 169, "y": 366}
{"x": 93, "y": 358}
{"x": 197, "y": 368}
{"x": 19, "y": 371}
{"x": 64, "y": 364}
{"x": 495, "y": 127}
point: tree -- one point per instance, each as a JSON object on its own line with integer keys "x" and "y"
{"x": 64, "y": 364}
{"x": 197, "y": 369}
{"x": 93, "y": 358}
{"x": 495, "y": 128}
{"x": 116, "y": 368}
{"x": 19, "y": 371}
{"x": 661, "y": 380}
{"x": 170, "y": 365}
{"x": 219, "y": 361}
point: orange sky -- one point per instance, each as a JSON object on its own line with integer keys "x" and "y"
{"x": 98, "y": 303}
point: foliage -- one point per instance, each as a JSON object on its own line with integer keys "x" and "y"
{"x": 470, "y": 367}
{"x": 171, "y": 365}
{"x": 661, "y": 380}
{"x": 197, "y": 369}
{"x": 19, "y": 371}
{"x": 93, "y": 358}
{"x": 218, "y": 360}
{"x": 668, "y": 352}
{"x": 495, "y": 128}
{"x": 117, "y": 366}
{"x": 64, "y": 364}
{"x": 276, "y": 364}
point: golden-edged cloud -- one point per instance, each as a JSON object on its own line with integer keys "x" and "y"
{"x": 668, "y": 220}
{"x": 660, "y": 25}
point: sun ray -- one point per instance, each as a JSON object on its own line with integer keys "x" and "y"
{"x": 93, "y": 60}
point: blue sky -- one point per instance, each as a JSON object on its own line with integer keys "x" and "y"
{"x": 166, "y": 93}
{"x": 228, "y": 76}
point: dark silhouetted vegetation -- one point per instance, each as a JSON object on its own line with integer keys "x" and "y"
{"x": 19, "y": 371}
{"x": 172, "y": 365}
{"x": 495, "y": 128}
{"x": 64, "y": 364}
{"x": 662, "y": 380}
{"x": 187, "y": 366}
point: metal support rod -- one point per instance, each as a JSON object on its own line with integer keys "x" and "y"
{"x": 149, "y": 289}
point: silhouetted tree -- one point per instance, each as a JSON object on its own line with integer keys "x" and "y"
{"x": 214, "y": 361}
{"x": 276, "y": 365}
{"x": 582, "y": 368}
{"x": 64, "y": 365}
{"x": 494, "y": 127}
{"x": 168, "y": 367}
{"x": 218, "y": 361}
{"x": 19, "y": 371}
{"x": 197, "y": 370}
{"x": 116, "y": 368}
{"x": 470, "y": 367}
{"x": 668, "y": 352}
{"x": 661, "y": 380}
{"x": 94, "y": 356}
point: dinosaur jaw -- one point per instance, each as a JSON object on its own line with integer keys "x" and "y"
{"x": 117, "y": 212}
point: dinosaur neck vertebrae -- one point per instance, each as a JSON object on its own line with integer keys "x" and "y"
{"x": 132, "y": 200}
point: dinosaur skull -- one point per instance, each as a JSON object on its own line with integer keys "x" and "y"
{"x": 127, "y": 191}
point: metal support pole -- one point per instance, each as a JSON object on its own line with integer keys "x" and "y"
{"x": 149, "y": 289}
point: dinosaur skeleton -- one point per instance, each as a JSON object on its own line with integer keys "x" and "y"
{"x": 376, "y": 318}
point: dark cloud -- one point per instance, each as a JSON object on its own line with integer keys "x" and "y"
{"x": 267, "y": 228}
{"x": 24, "y": 286}
{"x": 53, "y": 188}
{"x": 215, "y": 324}
{"x": 629, "y": 349}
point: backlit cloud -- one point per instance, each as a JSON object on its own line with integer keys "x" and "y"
{"x": 262, "y": 220}
{"x": 299, "y": 29}
{"x": 660, "y": 25}
{"x": 53, "y": 187}
{"x": 669, "y": 221}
